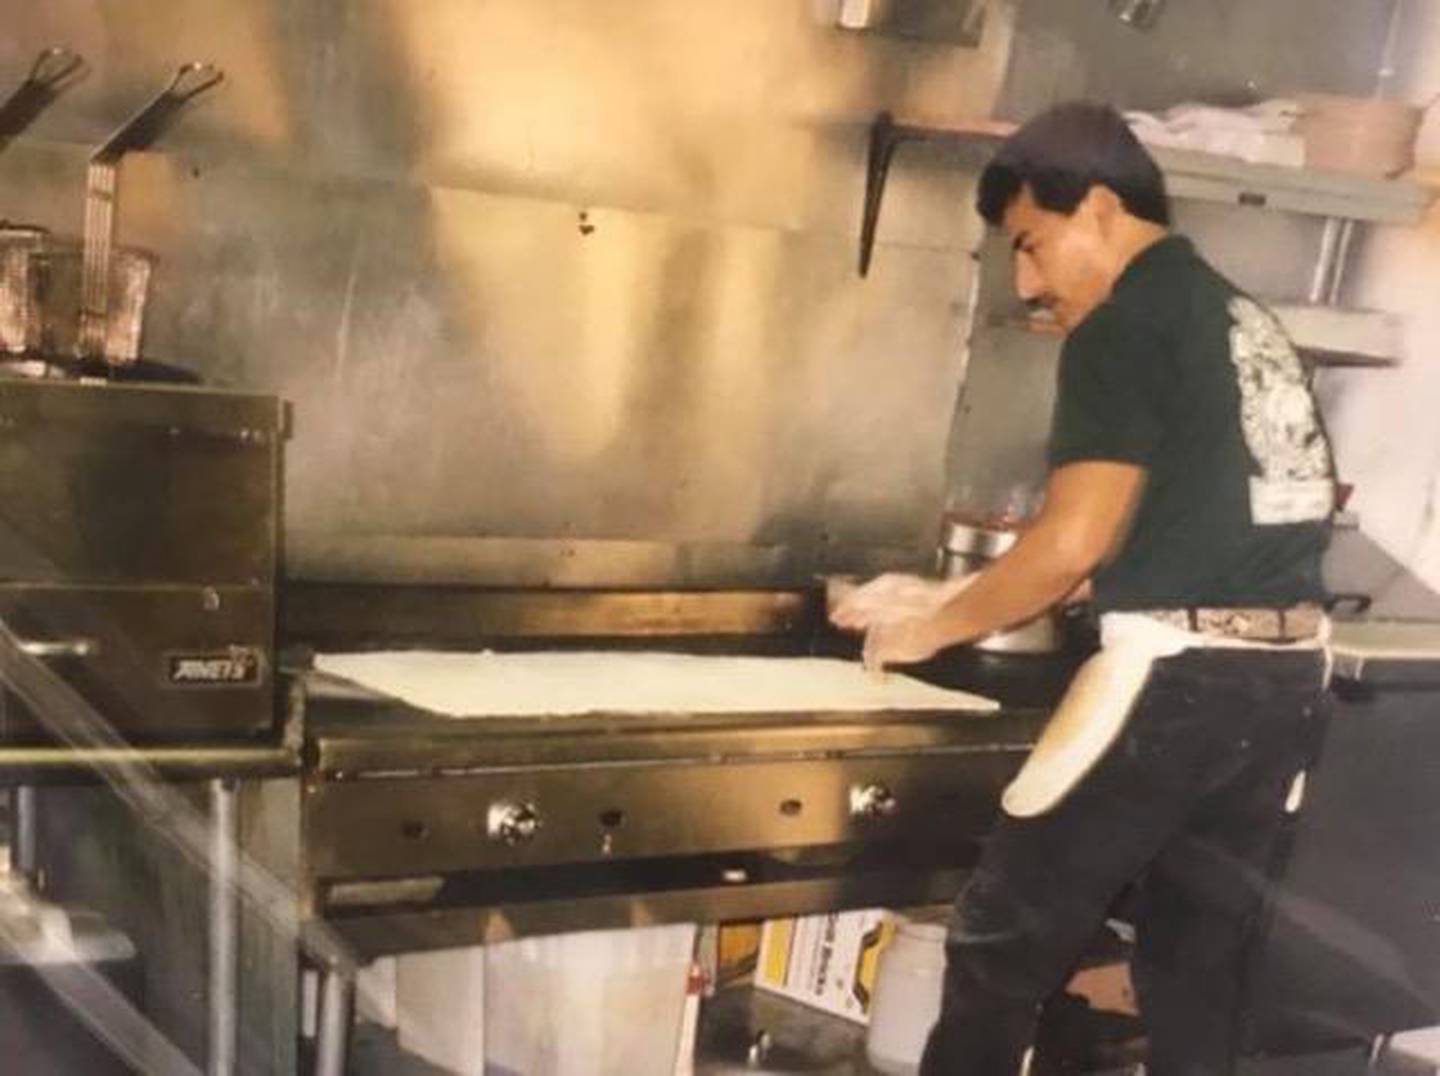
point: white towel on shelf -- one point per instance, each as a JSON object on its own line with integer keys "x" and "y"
{"x": 1262, "y": 133}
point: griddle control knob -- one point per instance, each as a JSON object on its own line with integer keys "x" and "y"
{"x": 872, "y": 800}
{"x": 512, "y": 823}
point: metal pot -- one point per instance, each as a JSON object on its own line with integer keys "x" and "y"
{"x": 967, "y": 548}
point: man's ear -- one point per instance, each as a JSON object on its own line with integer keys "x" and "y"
{"x": 1103, "y": 203}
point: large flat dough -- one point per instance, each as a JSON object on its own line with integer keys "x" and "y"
{"x": 557, "y": 683}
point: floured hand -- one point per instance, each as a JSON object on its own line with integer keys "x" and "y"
{"x": 901, "y": 642}
{"x": 892, "y": 598}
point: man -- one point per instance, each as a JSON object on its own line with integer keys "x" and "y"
{"x": 1191, "y": 488}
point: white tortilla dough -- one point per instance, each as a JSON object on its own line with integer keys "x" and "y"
{"x": 559, "y": 683}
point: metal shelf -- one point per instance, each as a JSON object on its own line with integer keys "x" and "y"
{"x": 1346, "y": 338}
{"x": 1188, "y": 174}
{"x": 1328, "y": 335}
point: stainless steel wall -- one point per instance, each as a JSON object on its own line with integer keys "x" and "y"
{"x": 560, "y": 269}
{"x": 1225, "y": 51}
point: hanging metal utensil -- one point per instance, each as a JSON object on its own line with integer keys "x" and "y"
{"x": 114, "y": 334}
{"x": 55, "y": 70}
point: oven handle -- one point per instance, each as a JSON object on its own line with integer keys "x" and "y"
{"x": 60, "y": 648}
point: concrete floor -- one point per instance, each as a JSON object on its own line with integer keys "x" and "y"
{"x": 374, "y": 1052}
{"x": 813, "y": 1043}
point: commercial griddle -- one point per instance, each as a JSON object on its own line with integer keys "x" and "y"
{"x": 421, "y": 831}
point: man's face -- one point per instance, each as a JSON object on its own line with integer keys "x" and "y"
{"x": 1062, "y": 261}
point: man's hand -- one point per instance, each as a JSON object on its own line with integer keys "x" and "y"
{"x": 901, "y": 642}
{"x": 890, "y": 599}
{"x": 897, "y": 613}
{"x": 1086, "y": 514}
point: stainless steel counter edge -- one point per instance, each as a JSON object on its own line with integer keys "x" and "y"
{"x": 415, "y": 930}
{"x": 56, "y": 764}
{"x": 613, "y": 741}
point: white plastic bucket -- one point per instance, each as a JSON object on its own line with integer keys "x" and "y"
{"x": 375, "y": 993}
{"x": 598, "y": 1003}
{"x": 906, "y": 1003}
{"x": 440, "y": 1003}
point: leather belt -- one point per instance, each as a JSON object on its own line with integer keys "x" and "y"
{"x": 1263, "y": 624}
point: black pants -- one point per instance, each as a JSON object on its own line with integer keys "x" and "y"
{"x": 1189, "y": 804}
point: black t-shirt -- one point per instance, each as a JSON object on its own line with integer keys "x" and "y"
{"x": 1181, "y": 373}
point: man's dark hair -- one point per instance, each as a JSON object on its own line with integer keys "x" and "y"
{"x": 1066, "y": 150}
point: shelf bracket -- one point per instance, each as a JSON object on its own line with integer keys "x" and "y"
{"x": 884, "y": 137}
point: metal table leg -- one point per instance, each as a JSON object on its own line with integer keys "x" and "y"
{"x": 337, "y": 1004}
{"x": 23, "y": 855}
{"x": 224, "y": 969}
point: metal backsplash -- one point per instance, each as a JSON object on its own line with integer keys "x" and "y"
{"x": 571, "y": 270}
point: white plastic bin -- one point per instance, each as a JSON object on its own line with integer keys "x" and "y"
{"x": 440, "y": 1002}
{"x": 597, "y": 1003}
{"x": 375, "y": 998}
{"x": 906, "y": 1004}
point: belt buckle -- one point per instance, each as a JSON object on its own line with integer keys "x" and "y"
{"x": 1265, "y": 624}
{"x": 1240, "y": 623}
